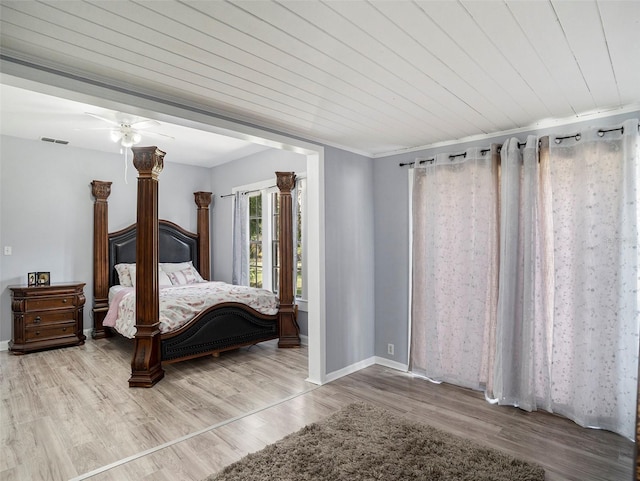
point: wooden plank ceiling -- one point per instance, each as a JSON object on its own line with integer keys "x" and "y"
{"x": 372, "y": 76}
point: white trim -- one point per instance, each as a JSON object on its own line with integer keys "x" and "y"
{"x": 304, "y": 340}
{"x": 398, "y": 366}
{"x": 345, "y": 371}
{"x": 316, "y": 288}
{"x": 410, "y": 290}
{"x": 355, "y": 367}
{"x": 59, "y": 83}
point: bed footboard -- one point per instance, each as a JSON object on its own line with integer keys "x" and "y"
{"x": 217, "y": 329}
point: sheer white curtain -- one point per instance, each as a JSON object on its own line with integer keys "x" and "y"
{"x": 522, "y": 369}
{"x": 594, "y": 188}
{"x": 454, "y": 285}
{"x": 240, "y": 262}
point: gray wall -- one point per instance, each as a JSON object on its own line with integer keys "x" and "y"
{"x": 248, "y": 170}
{"x": 391, "y": 207}
{"x": 349, "y": 253}
{"x": 46, "y": 210}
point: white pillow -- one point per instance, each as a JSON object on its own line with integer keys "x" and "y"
{"x": 163, "y": 279}
{"x": 183, "y": 277}
{"x": 170, "y": 267}
{"x": 124, "y": 275}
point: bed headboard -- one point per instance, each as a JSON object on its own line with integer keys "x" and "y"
{"x": 174, "y": 245}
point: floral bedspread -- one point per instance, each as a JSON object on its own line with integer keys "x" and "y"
{"x": 180, "y": 304}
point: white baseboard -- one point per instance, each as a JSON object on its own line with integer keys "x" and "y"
{"x": 383, "y": 361}
{"x": 304, "y": 340}
{"x": 345, "y": 371}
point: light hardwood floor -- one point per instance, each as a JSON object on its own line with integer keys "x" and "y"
{"x": 69, "y": 414}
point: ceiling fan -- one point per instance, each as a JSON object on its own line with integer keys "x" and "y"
{"x": 125, "y": 130}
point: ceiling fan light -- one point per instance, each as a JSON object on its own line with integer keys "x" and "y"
{"x": 115, "y": 135}
{"x": 127, "y": 140}
{"x": 136, "y": 137}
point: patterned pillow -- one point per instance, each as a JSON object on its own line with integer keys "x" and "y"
{"x": 127, "y": 275}
{"x": 183, "y": 277}
{"x": 169, "y": 267}
{"x": 124, "y": 275}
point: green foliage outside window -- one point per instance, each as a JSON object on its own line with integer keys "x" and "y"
{"x": 255, "y": 240}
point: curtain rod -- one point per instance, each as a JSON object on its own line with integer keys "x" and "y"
{"x": 422, "y": 161}
{"x": 601, "y": 132}
{"x": 558, "y": 140}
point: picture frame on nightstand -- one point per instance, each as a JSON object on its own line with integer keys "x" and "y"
{"x": 43, "y": 278}
{"x": 32, "y": 278}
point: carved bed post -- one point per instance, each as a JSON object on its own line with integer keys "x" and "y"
{"x": 203, "y": 199}
{"x": 289, "y": 332}
{"x": 146, "y": 367}
{"x": 101, "y": 191}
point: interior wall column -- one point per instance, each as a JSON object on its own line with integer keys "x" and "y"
{"x": 146, "y": 367}
{"x": 101, "y": 191}
{"x": 289, "y": 331}
{"x": 203, "y": 200}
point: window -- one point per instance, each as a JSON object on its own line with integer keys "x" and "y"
{"x": 255, "y": 240}
{"x": 264, "y": 225}
{"x": 300, "y": 240}
{"x": 275, "y": 244}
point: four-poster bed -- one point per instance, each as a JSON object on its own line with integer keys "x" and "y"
{"x": 221, "y": 327}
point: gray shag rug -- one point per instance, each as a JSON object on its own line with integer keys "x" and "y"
{"x": 362, "y": 442}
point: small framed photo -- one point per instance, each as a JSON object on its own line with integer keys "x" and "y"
{"x": 32, "y": 278}
{"x": 43, "y": 279}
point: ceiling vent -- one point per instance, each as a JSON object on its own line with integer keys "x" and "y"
{"x": 54, "y": 141}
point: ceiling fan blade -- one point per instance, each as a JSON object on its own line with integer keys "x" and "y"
{"x": 145, "y": 124}
{"x": 105, "y": 119}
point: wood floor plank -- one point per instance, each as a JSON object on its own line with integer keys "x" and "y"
{"x": 70, "y": 411}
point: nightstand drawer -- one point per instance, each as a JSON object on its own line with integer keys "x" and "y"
{"x": 39, "y": 304}
{"x": 49, "y": 317}
{"x": 50, "y": 331}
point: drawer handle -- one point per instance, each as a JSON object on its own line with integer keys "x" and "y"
{"x": 64, "y": 329}
{"x": 37, "y": 320}
{"x": 64, "y": 301}
{"x": 37, "y": 333}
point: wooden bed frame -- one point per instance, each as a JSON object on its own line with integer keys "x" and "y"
{"x": 150, "y": 241}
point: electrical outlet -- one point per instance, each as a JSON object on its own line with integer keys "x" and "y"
{"x": 7, "y": 250}
{"x": 390, "y": 349}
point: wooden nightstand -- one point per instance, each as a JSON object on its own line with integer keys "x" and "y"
{"x": 47, "y": 316}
